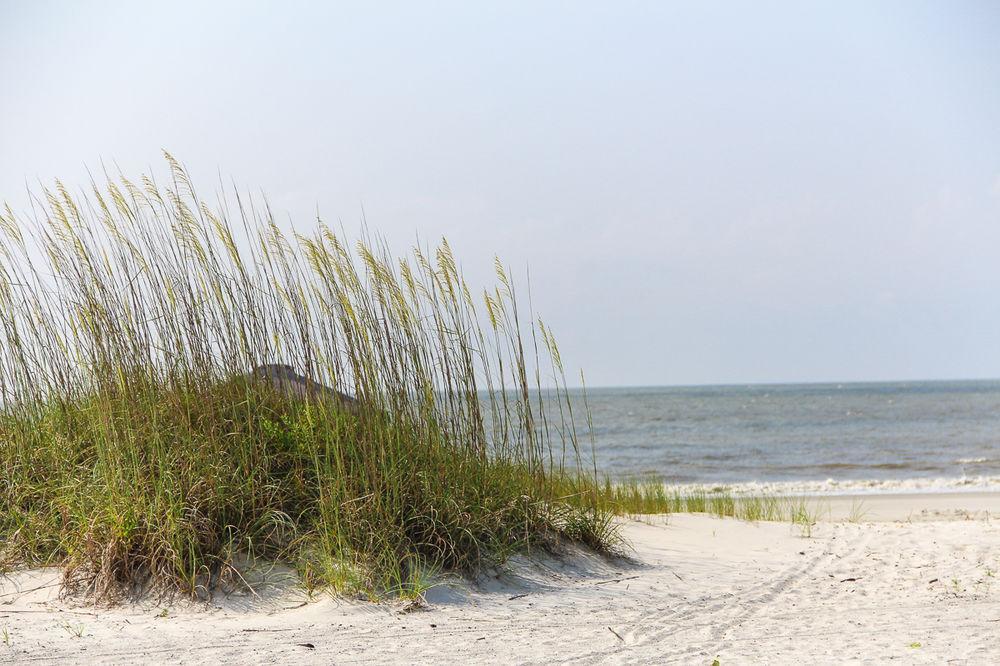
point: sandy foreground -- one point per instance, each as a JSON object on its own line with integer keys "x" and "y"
{"x": 916, "y": 581}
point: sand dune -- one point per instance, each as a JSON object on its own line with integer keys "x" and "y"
{"x": 923, "y": 590}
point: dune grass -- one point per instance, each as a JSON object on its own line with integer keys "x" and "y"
{"x": 648, "y": 496}
{"x": 135, "y": 452}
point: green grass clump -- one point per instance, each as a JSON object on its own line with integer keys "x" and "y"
{"x": 646, "y": 496}
{"x": 135, "y": 452}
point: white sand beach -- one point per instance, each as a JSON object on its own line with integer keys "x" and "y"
{"x": 917, "y": 581}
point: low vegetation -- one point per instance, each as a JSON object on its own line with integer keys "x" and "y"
{"x": 638, "y": 497}
{"x": 136, "y": 452}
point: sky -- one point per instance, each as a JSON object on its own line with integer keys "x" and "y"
{"x": 703, "y": 192}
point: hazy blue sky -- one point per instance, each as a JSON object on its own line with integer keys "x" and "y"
{"x": 705, "y": 192}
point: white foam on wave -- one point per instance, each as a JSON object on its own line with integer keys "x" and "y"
{"x": 850, "y": 486}
{"x": 972, "y": 461}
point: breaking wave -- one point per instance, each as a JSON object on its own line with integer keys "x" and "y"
{"x": 850, "y": 486}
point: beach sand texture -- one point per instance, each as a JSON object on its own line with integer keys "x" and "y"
{"x": 920, "y": 585}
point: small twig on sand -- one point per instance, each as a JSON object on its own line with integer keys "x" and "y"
{"x": 614, "y": 580}
{"x": 249, "y": 630}
{"x": 517, "y": 596}
{"x": 616, "y": 634}
{"x": 56, "y": 610}
{"x": 33, "y": 589}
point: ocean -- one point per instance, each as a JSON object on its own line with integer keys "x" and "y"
{"x": 810, "y": 438}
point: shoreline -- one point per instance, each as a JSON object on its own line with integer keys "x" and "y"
{"x": 843, "y": 487}
{"x": 903, "y": 507}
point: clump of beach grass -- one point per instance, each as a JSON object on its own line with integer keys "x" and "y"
{"x": 135, "y": 453}
{"x": 650, "y": 495}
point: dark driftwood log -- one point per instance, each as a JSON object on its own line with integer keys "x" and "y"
{"x": 284, "y": 379}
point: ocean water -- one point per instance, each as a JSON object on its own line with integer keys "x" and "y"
{"x": 816, "y": 438}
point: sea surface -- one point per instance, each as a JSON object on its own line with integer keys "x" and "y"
{"x": 815, "y": 438}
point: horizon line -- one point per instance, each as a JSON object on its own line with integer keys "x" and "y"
{"x": 793, "y": 383}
